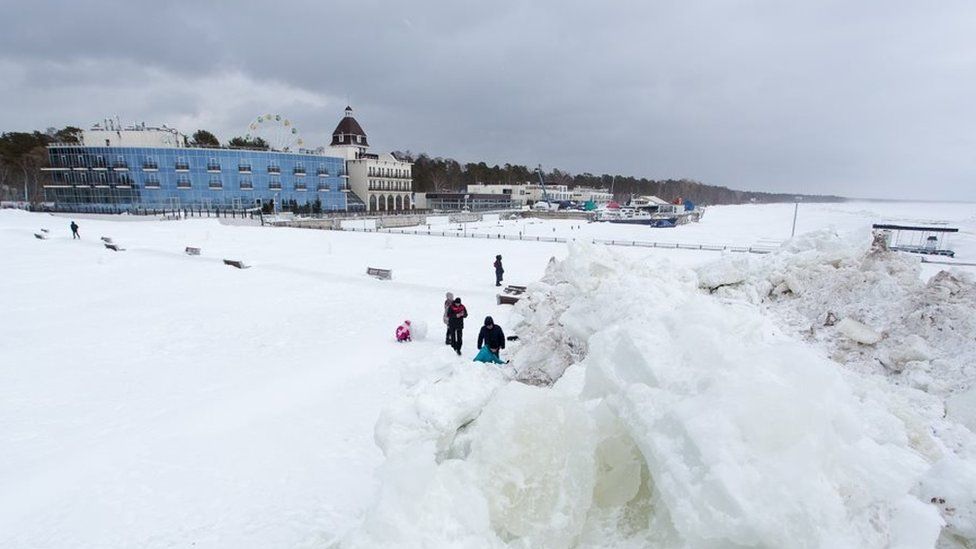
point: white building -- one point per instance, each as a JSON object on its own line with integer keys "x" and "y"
{"x": 587, "y": 194}
{"x": 523, "y": 194}
{"x": 112, "y": 134}
{"x": 383, "y": 182}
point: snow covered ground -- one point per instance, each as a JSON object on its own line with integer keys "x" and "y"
{"x": 153, "y": 399}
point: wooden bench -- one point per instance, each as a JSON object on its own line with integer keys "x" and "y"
{"x": 236, "y": 263}
{"x": 40, "y": 236}
{"x": 45, "y": 231}
{"x": 106, "y": 240}
{"x": 114, "y": 247}
{"x": 190, "y": 250}
{"x": 510, "y": 295}
{"x": 382, "y": 274}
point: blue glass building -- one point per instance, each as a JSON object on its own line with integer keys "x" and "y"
{"x": 114, "y": 178}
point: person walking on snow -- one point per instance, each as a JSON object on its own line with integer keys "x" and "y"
{"x": 447, "y": 305}
{"x": 499, "y": 270}
{"x": 403, "y": 332}
{"x": 74, "y": 231}
{"x": 455, "y": 324}
{"x": 491, "y": 341}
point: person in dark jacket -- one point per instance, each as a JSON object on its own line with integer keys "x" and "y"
{"x": 448, "y": 301}
{"x": 456, "y": 314}
{"x": 74, "y": 231}
{"x": 499, "y": 270}
{"x": 491, "y": 336}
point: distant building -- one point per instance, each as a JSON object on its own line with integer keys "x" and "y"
{"x": 142, "y": 167}
{"x": 530, "y": 193}
{"x": 162, "y": 174}
{"x": 384, "y": 182}
{"x": 473, "y": 202}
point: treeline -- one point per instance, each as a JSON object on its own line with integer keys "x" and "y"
{"x": 437, "y": 174}
{"x": 22, "y": 155}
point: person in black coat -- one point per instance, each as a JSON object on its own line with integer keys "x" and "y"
{"x": 491, "y": 335}
{"x": 499, "y": 270}
{"x": 456, "y": 314}
{"x": 74, "y": 231}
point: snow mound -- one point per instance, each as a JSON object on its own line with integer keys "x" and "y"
{"x": 866, "y": 306}
{"x": 663, "y": 417}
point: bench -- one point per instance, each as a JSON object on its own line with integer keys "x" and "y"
{"x": 40, "y": 236}
{"x": 45, "y": 231}
{"x": 190, "y": 250}
{"x": 106, "y": 240}
{"x": 510, "y": 295}
{"x": 114, "y": 247}
{"x": 236, "y": 263}
{"x": 382, "y": 274}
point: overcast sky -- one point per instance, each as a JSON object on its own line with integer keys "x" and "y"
{"x": 865, "y": 99}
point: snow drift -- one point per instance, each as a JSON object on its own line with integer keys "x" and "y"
{"x": 655, "y": 415}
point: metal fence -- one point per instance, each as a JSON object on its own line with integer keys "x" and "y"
{"x": 556, "y": 239}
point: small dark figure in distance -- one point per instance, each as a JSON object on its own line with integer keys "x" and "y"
{"x": 491, "y": 341}
{"x": 448, "y": 301}
{"x": 499, "y": 270}
{"x": 456, "y": 314}
{"x": 74, "y": 231}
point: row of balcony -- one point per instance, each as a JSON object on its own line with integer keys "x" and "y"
{"x": 374, "y": 173}
{"x": 394, "y": 187}
{"x": 244, "y": 186}
{"x": 211, "y": 168}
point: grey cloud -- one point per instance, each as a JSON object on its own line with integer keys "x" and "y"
{"x": 862, "y": 99}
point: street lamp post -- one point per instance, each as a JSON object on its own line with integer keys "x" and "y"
{"x": 796, "y": 208}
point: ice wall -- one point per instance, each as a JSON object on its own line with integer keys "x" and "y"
{"x": 655, "y": 415}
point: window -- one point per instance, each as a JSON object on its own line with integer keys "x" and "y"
{"x": 183, "y": 182}
{"x": 247, "y": 185}
{"x": 274, "y": 184}
{"x": 182, "y": 165}
{"x": 273, "y": 167}
{"x": 152, "y": 182}
{"x": 213, "y": 165}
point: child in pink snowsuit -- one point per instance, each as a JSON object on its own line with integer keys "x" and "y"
{"x": 403, "y": 331}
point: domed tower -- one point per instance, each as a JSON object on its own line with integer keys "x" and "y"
{"x": 349, "y": 138}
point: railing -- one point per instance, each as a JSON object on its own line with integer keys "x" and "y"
{"x": 298, "y": 171}
{"x": 274, "y": 169}
{"x": 556, "y": 239}
{"x": 243, "y": 168}
{"x": 150, "y": 166}
{"x": 152, "y": 184}
{"x": 213, "y": 167}
{"x": 183, "y": 185}
{"x": 274, "y": 186}
{"x": 300, "y": 187}
{"x": 324, "y": 188}
{"x": 216, "y": 185}
{"x": 182, "y": 167}
{"x": 247, "y": 186}
{"x": 120, "y": 165}
{"x": 322, "y": 173}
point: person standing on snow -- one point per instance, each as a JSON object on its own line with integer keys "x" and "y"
{"x": 456, "y": 314}
{"x": 74, "y": 231}
{"x": 448, "y": 301}
{"x": 490, "y": 338}
{"x": 499, "y": 270}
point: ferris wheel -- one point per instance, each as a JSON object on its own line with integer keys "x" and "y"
{"x": 277, "y": 131}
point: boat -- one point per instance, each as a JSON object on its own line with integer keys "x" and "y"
{"x": 648, "y": 210}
